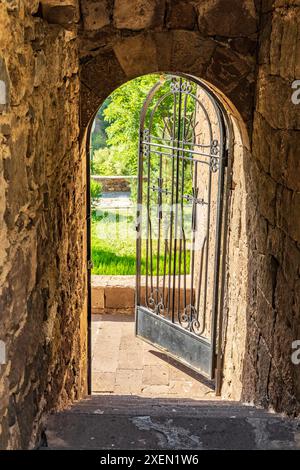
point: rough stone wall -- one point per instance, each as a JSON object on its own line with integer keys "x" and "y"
{"x": 273, "y": 208}
{"x": 236, "y": 270}
{"x": 112, "y": 184}
{"x": 263, "y": 277}
{"x": 42, "y": 245}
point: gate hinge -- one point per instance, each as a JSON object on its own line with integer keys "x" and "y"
{"x": 90, "y": 264}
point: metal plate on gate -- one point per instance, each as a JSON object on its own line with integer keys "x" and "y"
{"x": 185, "y": 346}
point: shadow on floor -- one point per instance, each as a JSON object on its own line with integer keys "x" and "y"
{"x": 185, "y": 369}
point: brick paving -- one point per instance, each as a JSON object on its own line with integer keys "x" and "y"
{"x": 125, "y": 365}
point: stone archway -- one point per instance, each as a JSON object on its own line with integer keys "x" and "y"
{"x": 168, "y": 52}
{"x": 229, "y": 53}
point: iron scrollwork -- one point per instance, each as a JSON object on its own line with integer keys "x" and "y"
{"x": 177, "y": 152}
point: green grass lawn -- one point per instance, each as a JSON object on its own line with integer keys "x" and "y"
{"x": 114, "y": 246}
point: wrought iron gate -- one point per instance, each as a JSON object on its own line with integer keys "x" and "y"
{"x": 182, "y": 160}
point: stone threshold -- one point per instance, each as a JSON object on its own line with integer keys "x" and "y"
{"x": 116, "y": 294}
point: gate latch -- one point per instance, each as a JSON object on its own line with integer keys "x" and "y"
{"x": 90, "y": 264}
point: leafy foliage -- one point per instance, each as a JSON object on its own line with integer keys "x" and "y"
{"x": 96, "y": 189}
{"x": 117, "y": 154}
{"x": 123, "y": 116}
{"x": 111, "y": 161}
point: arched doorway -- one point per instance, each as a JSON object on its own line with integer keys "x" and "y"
{"x": 183, "y": 161}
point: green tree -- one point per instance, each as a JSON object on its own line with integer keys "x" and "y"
{"x": 123, "y": 115}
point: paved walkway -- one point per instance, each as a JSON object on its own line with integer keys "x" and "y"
{"x": 115, "y": 200}
{"x": 125, "y": 365}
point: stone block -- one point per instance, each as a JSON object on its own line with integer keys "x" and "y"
{"x": 95, "y": 14}
{"x": 190, "y": 52}
{"x": 181, "y": 15}
{"x": 291, "y": 150}
{"x": 150, "y": 358}
{"x": 137, "y": 55}
{"x": 131, "y": 359}
{"x": 128, "y": 381}
{"x": 119, "y": 297}
{"x": 284, "y": 44}
{"x": 226, "y": 64}
{"x": 147, "y": 14}
{"x": 60, "y": 12}
{"x": 155, "y": 375}
{"x": 12, "y": 5}
{"x": 156, "y": 390}
{"x": 129, "y": 343}
{"x": 229, "y": 18}
{"x": 40, "y": 68}
{"x": 267, "y": 197}
{"x": 103, "y": 382}
{"x": 4, "y": 87}
{"x": 262, "y": 140}
{"x": 98, "y": 302}
{"x": 60, "y": 3}
{"x": 107, "y": 362}
{"x": 289, "y": 211}
{"x": 275, "y": 101}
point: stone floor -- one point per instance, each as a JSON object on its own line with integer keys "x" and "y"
{"x": 111, "y": 422}
{"x": 144, "y": 400}
{"x": 125, "y": 365}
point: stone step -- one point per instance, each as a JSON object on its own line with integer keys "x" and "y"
{"x": 114, "y": 422}
{"x": 132, "y": 405}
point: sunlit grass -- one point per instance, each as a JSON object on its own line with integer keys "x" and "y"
{"x": 114, "y": 247}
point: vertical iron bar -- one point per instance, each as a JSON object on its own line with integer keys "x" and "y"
{"x": 181, "y": 206}
{"x": 159, "y": 200}
{"x": 148, "y": 226}
{"x": 139, "y": 215}
{"x": 194, "y": 224}
{"x": 176, "y": 202}
{"x": 200, "y": 276}
{"x": 172, "y": 202}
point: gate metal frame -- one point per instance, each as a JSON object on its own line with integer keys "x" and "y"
{"x": 210, "y": 352}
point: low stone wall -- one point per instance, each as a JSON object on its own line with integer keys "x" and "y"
{"x": 116, "y": 294}
{"x": 114, "y": 183}
{"x": 113, "y": 294}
